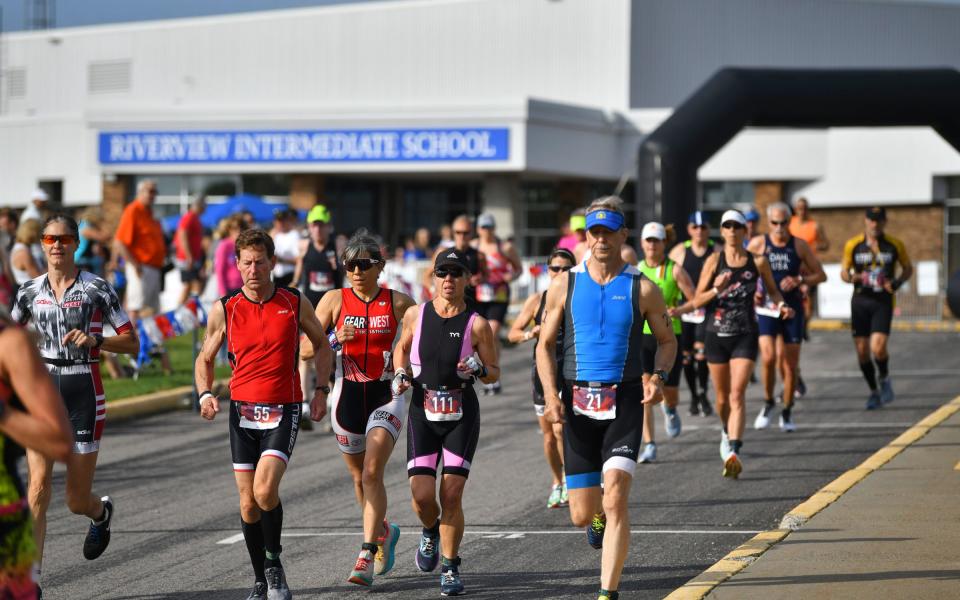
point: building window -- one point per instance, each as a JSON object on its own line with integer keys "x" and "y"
{"x": 539, "y": 219}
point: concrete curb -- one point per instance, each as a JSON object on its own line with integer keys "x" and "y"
{"x": 739, "y": 558}
{"x": 897, "y": 325}
{"x": 153, "y": 403}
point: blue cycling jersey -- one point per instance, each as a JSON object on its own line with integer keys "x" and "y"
{"x": 603, "y": 327}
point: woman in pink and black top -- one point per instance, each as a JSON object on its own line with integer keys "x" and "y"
{"x": 224, "y": 260}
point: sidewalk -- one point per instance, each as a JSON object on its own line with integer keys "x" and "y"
{"x": 894, "y": 534}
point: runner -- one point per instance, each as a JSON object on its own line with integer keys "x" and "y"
{"x": 793, "y": 264}
{"x": 493, "y": 293}
{"x": 627, "y": 253}
{"x": 727, "y": 287}
{"x": 264, "y": 322}
{"x": 462, "y": 236}
{"x": 68, "y": 308}
{"x": 602, "y": 304}
{"x": 691, "y": 255}
{"x": 561, "y": 261}
{"x": 446, "y": 345}
{"x": 673, "y": 282}
{"x": 869, "y": 263}
{"x": 317, "y": 272}
{"x": 366, "y": 418}
{"x": 813, "y": 233}
{"x": 32, "y": 416}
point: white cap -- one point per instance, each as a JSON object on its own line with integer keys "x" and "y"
{"x": 653, "y": 230}
{"x": 39, "y": 194}
{"x": 733, "y": 215}
{"x": 486, "y": 220}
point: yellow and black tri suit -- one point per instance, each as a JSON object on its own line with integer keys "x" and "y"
{"x": 871, "y": 307}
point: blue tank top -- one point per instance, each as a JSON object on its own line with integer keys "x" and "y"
{"x": 603, "y": 327}
{"x": 784, "y": 261}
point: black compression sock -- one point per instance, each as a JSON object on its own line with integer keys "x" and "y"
{"x": 435, "y": 530}
{"x": 883, "y": 366}
{"x": 690, "y": 375}
{"x": 253, "y": 536}
{"x": 735, "y": 445}
{"x": 703, "y": 372}
{"x": 369, "y": 546}
{"x": 869, "y": 374}
{"x": 786, "y": 412}
{"x": 272, "y": 523}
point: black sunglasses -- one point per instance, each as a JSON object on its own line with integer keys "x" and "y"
{"x": 557, "y": 269}
{"x": 364, "y": 264}
{"x": 733, "y": 225}
{"x": 442, "y": 272}
{"x": 772, "y": 222}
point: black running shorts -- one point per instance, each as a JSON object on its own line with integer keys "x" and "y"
{"x": 591, "y": 447}
{"x": 720, "y": 349}
{"x": 453, "y": 441}
{"x": 258, "y": 430}
{"x": 871, "y": 314}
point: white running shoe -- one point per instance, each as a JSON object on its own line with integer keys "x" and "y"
{"x": 649, "y": 454}
{"x": 763, "y": 417}
{"x": 724, "y": 445}
{"x": 786, "y": 423}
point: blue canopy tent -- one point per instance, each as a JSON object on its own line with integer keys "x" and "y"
{"x": 261, "y": 210}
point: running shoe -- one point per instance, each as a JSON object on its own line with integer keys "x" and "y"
{"x": 649, "y": 454}
{"x": 786, "y": 422}
{"x": 98, "y": 537}
{"x": 386, "y": 550}
{"x": 732, "y": 466}
{"x": 362, "y": 573}
{"x": 886, "y": 391}
{"x": 705, "y": 407}
{"x": 873, "y": 402}
{"x": 763, "y": 417}
{"x": 724, "y": 445}
{"x": 277, "y": 584}
{"x": 671, "y": 421}
{"x": 694, "y": 405}
{"x": 595, "y": 530}
{"x": 564, "y": 494}
{"x": 259, "y": 591}
{"x": 556, "y": 493}
{"x": 450, "y": 582}
{"x": 801, "y": 389}
{"x": 428, "y": 553}
{"x": 608, "y": 595}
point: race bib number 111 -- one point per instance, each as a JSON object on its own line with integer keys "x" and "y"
{"x": 443, "y": 405}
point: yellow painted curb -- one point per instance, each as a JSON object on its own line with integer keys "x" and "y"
{"x": 897, "y": 325}
{"x": 739, "y": 558}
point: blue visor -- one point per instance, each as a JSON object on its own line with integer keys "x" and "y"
{"x": 605, "y": 218}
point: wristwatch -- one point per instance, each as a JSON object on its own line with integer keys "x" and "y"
{"x": 324, "y": 388}
{"x": 98, "y": 340}
{"x": 662, "y": 375}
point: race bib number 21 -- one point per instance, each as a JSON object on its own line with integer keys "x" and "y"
{"x": 595, "y": 401}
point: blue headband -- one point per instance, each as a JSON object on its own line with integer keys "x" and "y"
{"x": 606, "y": 218}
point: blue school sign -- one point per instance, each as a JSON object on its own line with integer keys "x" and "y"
{"x": 325, "y": 145}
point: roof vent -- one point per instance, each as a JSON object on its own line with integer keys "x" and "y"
{"x": 108, "y": 76}
{"x": 16, "y": 82}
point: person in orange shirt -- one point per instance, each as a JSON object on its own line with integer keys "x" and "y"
{"x": 808, "y": 230}
{"x": 140, "y": 242}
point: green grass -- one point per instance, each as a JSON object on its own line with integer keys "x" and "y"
{"x": 152, "y": 378}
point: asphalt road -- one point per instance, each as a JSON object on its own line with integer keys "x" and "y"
{"x": 176, "y": 533}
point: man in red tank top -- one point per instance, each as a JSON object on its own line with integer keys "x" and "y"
{"x": 261, "y": 324}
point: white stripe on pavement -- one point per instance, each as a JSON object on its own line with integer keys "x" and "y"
{"x": 804, "y": 425}
{"x": 509, "y": 535}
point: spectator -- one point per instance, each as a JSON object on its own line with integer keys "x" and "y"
{"x": 224, "y": 258}
{"x": 411, "y": 252}
{"x": 93, "y": 243}
{"x": 446, "y": 237}
{"x": 140, "y": 242}
{"x": 752, "y": 217}
{"x": 8, "y": 227}
{"x": 37, "y": 208}
{"x": 286, "y": 243}
{"x": 190, "y": 257}
{"x": 26, "y": 257}
{"x": 421, "y": 243}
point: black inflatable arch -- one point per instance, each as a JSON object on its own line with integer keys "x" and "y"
{"x": 735, "y": 98}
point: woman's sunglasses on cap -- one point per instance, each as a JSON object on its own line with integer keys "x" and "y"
{"x": 364, "y": 264}
{"x": 66, "y": 239}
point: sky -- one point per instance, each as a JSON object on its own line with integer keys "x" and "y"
{"x": 75, "y": 13}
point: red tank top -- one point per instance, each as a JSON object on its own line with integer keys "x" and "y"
{"x": 263, "y": 342}
{"x": 367, "y": 356}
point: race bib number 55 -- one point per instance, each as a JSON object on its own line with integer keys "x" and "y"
{"x": 443, "y": 405}
{"x": 595, "y": 401}
{"x": 260, "y": 416}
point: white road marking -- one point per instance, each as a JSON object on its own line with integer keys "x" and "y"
{"x": 508, "y": 535}
{"x": 802, "y": 425}
{"x": 894, "y": 374}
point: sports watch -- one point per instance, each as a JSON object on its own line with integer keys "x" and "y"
{"x": 663, "y": 375}
{"x": 324, "y": 388}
